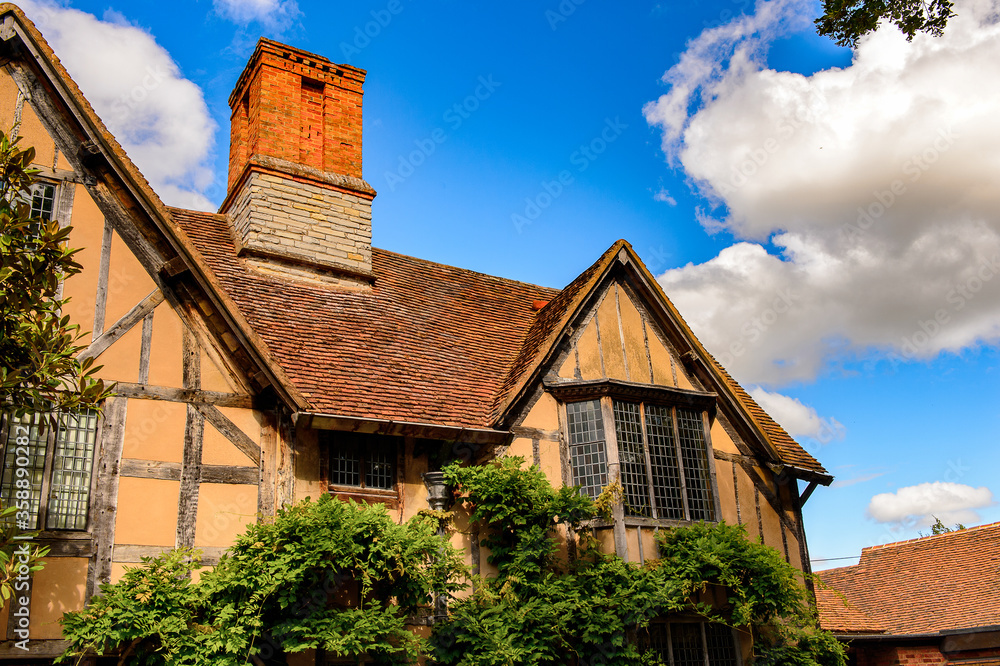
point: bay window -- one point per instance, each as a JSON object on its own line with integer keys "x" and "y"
{"x": 661, "y": 449}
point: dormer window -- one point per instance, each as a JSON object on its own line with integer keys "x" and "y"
{"x": 662, "y": 450}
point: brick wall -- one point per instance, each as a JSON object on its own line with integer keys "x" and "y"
{"x": 921, "y": 655}
{"x": 297, "y": 200}
{"x": 293, "y": 105}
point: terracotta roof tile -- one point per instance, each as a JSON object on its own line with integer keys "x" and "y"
{"x": 935, "y": 583}
{"x": 548, "y": 324}
{"x": 840, "y": 616}
{"x": 429, "y": 343}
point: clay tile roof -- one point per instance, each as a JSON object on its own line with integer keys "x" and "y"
{"x": 925, "y": 585}
{"x": 405, "y": 351}
{"x": 549, "y": 323}
{"x": 429, "y": 343}
{"x": 840, "y": 616}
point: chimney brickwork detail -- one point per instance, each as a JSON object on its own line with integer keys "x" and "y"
{"x": 297, "y": 200}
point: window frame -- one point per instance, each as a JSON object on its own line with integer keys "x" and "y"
{"x": 667, "y": 623}
{"x": 388, "y": 496}
{"x": 38, "y": 185}
{"x": 45, "y": 489}
{"x": 607, "y": 391}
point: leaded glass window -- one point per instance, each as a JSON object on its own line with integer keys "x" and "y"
{"x": 632, "y": 456}
{"x": 43, "y": 196}
{"x": 692, "y": 644}
{"x": 662, "y": 452}
{"x": 48, "y": 468}
{"x": 361, "y": 461}
{"x": 586, "y": 446}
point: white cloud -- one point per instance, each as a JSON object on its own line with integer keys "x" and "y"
{"x": 664, "y": 195}
{"x": 920, "y": 504}
{"x": 810, "y": 164}
{"x": 798, "y": 419}
{"x": 158, "y": 116}
{"x": 276, "y": 15}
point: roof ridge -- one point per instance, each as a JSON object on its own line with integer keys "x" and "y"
{"x": 893, "y": 544}
{"x": 501, "y": 278}
{"x": 428, "y": 262}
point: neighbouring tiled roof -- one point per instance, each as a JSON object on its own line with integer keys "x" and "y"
{"x": 926, "y": 585}
{"x": 839, "y": 615}
{"x": 428, "y": 343}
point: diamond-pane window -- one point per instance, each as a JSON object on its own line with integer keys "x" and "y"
{"x": 662, "y": 453}
{"x": 57, "y": 496}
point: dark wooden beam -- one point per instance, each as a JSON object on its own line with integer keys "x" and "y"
{"x": 230, "y": 431}
{"x": 123, "y": 325}
{"x": 807, "y": 493}
{"x": 190, "y": 396}
{"x": 171, "y": 471}
{"x": 105, "y": 503}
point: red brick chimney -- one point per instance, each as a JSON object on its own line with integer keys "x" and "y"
{"x": 297, "y": 201}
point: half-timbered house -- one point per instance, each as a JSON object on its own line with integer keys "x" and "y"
{"x": 267, "y": 352}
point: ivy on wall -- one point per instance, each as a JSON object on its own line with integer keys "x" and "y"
{"x": 540, "y": 609}
{"x": 330, "y": 575}
{"x": 344, "y": 578}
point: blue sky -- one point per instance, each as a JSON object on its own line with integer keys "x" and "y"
{"x": 705, "y": 123}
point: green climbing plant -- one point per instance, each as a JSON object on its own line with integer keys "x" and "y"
{"x": 541, "y": 609}
{"x": 329, "y": 575}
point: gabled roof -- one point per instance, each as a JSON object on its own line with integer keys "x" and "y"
{"x": 123, "y": 194}
{"x": 935, "y": 583}
{"x": 542, "y": 340}
{"x": 429, "y": 344}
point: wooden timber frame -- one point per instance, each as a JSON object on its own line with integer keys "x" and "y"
{"x": 211, "y": 324}
{"x": 773, "y": 482}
